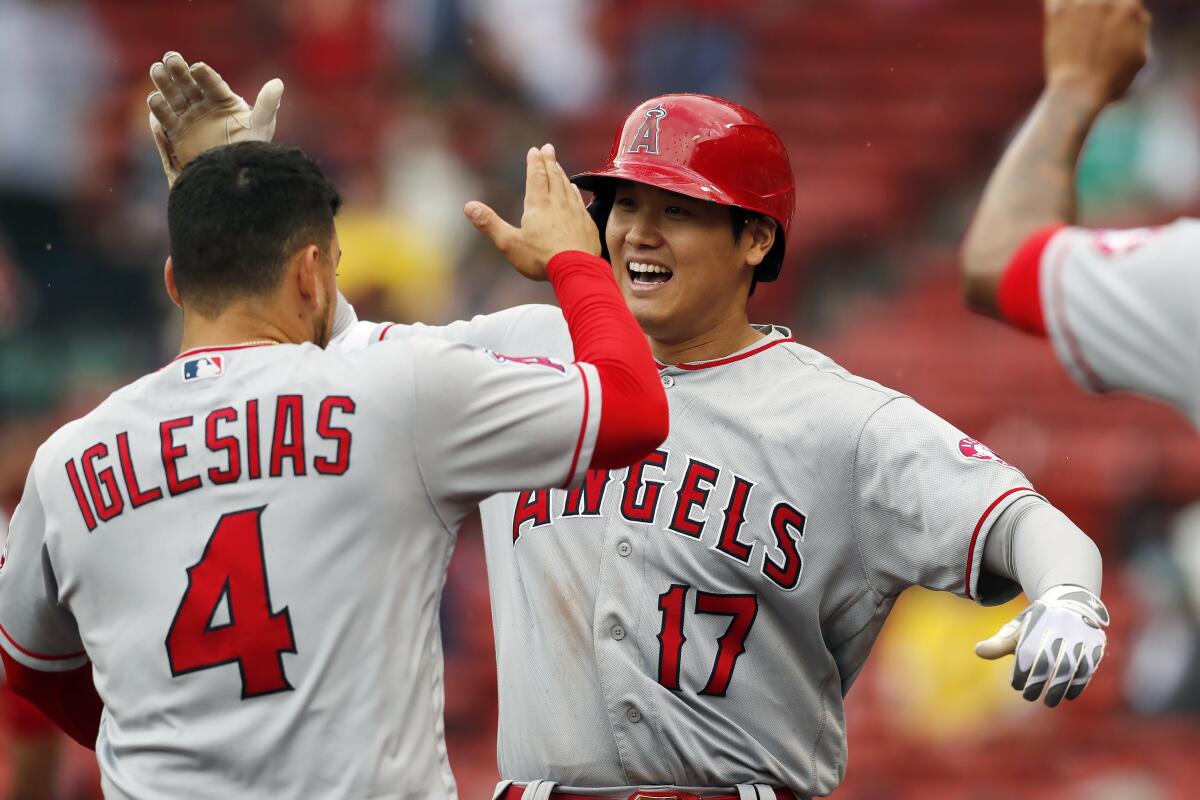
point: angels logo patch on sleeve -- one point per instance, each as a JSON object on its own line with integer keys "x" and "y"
{"x": 973, "y": 448}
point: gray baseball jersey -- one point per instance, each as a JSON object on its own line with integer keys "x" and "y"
{"x": 1121, "y": 309}
{"x": 695, "y": 620}
{"x": 250, "y": 545}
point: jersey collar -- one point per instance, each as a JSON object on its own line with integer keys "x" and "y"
{"x": 774, "y": 334}
{"x": 220, "y": 349}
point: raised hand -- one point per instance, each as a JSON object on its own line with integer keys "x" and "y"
{"x": 1095, "y": 45}
{"x": 192, "y": 110}
{"x": 555, "y": 218}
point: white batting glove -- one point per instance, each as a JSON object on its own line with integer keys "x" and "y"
{"x": 193, "y": 110}
{"x": 1058, "y": 641}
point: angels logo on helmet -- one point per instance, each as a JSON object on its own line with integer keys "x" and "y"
{"x": 646, "y": 138}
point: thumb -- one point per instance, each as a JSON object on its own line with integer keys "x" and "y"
{"x": 1002, "y": 643}
{"x": 165, "y": 151}
{"x": 262, "y": 117}
{"x": 488, "y": 221}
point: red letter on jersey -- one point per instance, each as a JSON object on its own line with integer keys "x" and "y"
{"x": 785, "y": 520}
{"x": 691, "y": 493}
{"x": 137, "y": 497}
{"x": 232, "y": 567}
{"x": 289, "y": 425}
{"x": 215, "y": 443}
{"x": 115, "y": 505}
{"x": 643, "y": 511}
{"x": 253, "y": 461}
{"x": 531, "y": 506}
{"x": 595, "y": 482}
{"x": 84, "y": 508}
{"x": 171, "y": 452}
{"x": 325, "y": 429}
{"x": 735, "y": 517}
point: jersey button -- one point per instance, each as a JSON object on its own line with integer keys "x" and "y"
{"x": 633, "y": 715}
{"x": 667, "y": 381}
{"x": 617, "y": 632}
{"x": 624, "y": 549}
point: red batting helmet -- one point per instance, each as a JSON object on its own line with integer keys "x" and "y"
{"x": 707, "y": 148}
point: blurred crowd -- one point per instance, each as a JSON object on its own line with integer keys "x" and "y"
{"x": 894, "y": 111}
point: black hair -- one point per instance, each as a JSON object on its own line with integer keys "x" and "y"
{"x": 237, "y": 214}
{"x": 768, "y": 270}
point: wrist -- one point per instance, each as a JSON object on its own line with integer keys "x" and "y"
{"x": 569, "y": 262}
{"x": 1081, "y": 91}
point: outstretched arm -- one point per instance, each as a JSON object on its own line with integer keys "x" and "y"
{"x": 1093, "y": 49}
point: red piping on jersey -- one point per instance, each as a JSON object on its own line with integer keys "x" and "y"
{"x": 39, "y": 656}
{"x": 218, "y": 349}
{"x": 582, "y": 428}
{"x": 386, "y": 328}
{"x": 1019, "y": 295}
{"x": 729, "y": 359}
{"x": 979, "y": 527}
{"x": 1058, "y": 299}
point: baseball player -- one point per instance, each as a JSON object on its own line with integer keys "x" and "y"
{"x": 245, "y": 550}
{"x": 688, "y": 627}
{"x": 1119, "y": 306}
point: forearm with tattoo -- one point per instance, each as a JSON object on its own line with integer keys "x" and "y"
{"x": 1031, "y": 188}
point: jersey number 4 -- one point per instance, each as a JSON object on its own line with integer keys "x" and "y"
{"x": 740, "y": 608}
{"x": 232, "y": 569}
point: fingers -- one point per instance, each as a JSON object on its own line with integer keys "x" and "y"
{"x": 485, "y": 219}
{"x": 560, "y": 184}
{"x": 178, "y": 69}
{"x": 213, "y": 85}
{"x": 161, "y": 110}
{"x": 267, "y": 105}
{"x": 1064, "y": 673}
{"x": 537, "y": 179}
{"x": 1084, "y": 672}
{"x": 166, "y": 86}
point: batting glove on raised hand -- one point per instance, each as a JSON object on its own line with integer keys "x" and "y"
{"x": 193, "y": 110}
{"x": 1058, "y": 641}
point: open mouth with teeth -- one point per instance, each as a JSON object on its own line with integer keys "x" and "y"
{"x": 642, "y": 274}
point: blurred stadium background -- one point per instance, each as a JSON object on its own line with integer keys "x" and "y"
{"x": 894, "y": 112}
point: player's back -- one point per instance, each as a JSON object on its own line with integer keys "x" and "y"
{"x": 246, "y": 544}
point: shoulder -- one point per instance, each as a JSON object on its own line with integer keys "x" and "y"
{"x": 804, "y": 365}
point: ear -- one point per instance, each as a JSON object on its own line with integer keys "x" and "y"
{"x": 761, "y": 231}
{"x": 169, "y": 282}
{"x": 307, "y": 262}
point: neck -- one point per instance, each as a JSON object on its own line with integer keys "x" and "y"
{"x": 236, "y": 325}
{"x": 724, "y": 339}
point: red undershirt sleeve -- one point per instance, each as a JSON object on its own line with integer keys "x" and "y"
{"x": 1019, "y": 296}
{"x": 69, "y": 699}
{"x": 604, "y": 334}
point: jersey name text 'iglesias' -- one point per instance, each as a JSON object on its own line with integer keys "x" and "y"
{"x": 686, "y": 512}
{"x": 260, "y": 438}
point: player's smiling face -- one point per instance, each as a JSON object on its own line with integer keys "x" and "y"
{"x": 677, "y": 262}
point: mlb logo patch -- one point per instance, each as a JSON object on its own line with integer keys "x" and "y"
{"x": 195, "y": 369}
